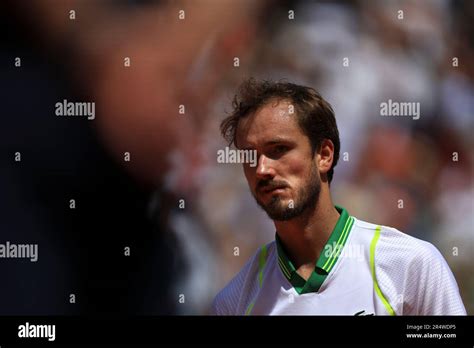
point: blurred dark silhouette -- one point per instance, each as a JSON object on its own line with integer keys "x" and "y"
{"x": 119, "y": 204}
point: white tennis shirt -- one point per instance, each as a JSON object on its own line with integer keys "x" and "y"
{"x": 364, "y": 269}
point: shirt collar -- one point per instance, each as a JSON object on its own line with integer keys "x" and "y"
{"x": 329, "y": 255}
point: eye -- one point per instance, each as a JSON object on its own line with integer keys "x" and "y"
{"x": 281, "y": 148}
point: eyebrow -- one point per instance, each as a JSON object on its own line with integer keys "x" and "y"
{"x": 277, "y": 141}
{"x": 271, "y": 142}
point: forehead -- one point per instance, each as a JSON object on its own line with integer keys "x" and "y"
{"x": 275, "y": 120}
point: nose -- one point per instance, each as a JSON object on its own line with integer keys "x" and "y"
{"x": 264, "y": 168}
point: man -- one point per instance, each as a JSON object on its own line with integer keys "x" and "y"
{"x": 312, "y": 266}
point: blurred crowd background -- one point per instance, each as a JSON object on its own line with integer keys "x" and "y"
{"x": 182, "y": 214}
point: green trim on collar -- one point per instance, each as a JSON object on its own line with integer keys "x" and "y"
{"x": 326, "y": 261}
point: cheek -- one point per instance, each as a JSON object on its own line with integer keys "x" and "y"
{"x": 299, "y": 172}
{"x": 297, "y": 168}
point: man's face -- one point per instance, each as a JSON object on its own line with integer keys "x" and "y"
{"x": 286, "y": 181}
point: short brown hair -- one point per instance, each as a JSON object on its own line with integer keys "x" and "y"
{"x": 314, "y": 114}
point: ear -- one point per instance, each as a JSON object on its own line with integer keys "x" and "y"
{"x": 325, "y": 156}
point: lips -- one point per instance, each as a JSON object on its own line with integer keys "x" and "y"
{"x": 272, "y": 189}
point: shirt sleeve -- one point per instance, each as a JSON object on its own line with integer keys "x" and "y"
{"x": 431, "y": 288}
{"x": 414, "y": 277}
{"x": 228, "y": 299}
{"x": 218, "y": 306}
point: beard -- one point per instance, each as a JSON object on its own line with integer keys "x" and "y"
{"x": 307, "y": 198}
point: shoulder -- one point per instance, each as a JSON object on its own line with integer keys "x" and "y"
{"x": 227, "y": 300}
{"x": 402, "y": 250}
{"x": 396, "y": 248}
{"x": 411, "y": 273}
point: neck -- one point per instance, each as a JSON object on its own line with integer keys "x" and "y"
{"x": 304, "y": 237}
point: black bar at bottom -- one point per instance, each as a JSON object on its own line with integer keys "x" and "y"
{"x": 223, "y": 330}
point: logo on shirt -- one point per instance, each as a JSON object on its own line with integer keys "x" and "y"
{"x": 363, "y": 313}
